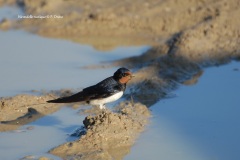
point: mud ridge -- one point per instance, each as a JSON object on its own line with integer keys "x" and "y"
{"x": 106, "y": 25}
{"x": 109, "y": 135}
{"x": 24, "y": 108}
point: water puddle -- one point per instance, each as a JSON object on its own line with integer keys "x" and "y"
{"x": 202, "y": 122}
{"x": 32, "y": 62}
{"x": 38, "y": 137}
{"x": 10, "y": 12}
{"x": 29, "y": 62}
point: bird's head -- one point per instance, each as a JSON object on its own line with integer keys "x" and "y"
{"x": 123, "y": 75}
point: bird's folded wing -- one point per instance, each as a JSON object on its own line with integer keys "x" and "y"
{"x": 103, "y": 89}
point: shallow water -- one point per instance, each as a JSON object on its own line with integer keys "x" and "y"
{"x": 202, "y": 122}
{"x": 32, "y": 62}
{"x": 47, "y": 132}
{"x": 29, "y": 62}
{"x": 10, "y": 12}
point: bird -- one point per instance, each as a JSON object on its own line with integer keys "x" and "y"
{"x": 106, "y": 91}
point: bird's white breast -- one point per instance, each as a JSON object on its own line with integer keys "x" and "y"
{"x": 107, "y": 100}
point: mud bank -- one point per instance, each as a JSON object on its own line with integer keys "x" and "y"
{"x": 165, "y": 69}
{"x": 109, "y": 135}
{"x": 22, "y": 109}
{"x": 210, "y": 25}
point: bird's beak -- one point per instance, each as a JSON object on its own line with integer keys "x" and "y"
{"x": 132, "y": 76}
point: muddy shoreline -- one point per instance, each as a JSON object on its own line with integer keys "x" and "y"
{"x": 25, "y": 108}
{"x": 186, "y": 38}
{"x": 106, "y": 25}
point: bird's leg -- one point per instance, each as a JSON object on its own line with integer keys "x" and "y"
{"x": 102, "y": 106}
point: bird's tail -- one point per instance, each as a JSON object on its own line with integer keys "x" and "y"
{"x": 56, "y": 101}
{"x": 69, "y": 99}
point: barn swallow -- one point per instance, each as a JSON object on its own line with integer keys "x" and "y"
{"x": 106, "y": 91}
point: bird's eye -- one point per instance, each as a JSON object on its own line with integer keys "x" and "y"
{"x": 124, "y": 74}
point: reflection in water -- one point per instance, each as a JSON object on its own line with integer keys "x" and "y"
{"x": 39, "y": 63}
{"x": 193, "y": 127}
{"x": 194, "y": 79}
{"x": 46, "y": 64}
{"x": 161, "y": 77}
{"x": 32, "y": 114}
{"x": 202, "y": 122}
{"x": 164, "y": 73}
{"x": 40, "y": 136}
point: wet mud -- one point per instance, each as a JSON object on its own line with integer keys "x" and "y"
{"x": 109, "y": 135}
{"x": 186, "y": 37}
{"x": 106, "y": 24}
{"x": 160, "y": 76}
{"x": 25, "y": 108}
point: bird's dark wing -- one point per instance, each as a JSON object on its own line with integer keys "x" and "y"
{"x": 103, "y": 89}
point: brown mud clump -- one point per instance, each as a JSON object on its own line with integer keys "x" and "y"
{"x": 109, "y": 135}
{"x": 22, "y": 109}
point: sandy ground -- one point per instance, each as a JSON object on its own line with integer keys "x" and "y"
{"x": 186, "y": 37}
